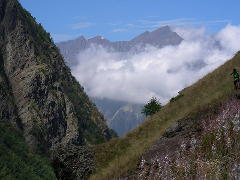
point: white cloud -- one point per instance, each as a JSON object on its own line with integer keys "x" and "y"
{"x": 229, "y": 37}
{"x": 81, "y": 25}
{"x": 80, "y": 17}
{"x": 159, "y": 23}
{"x": 180, "y": 22}
{"x": 191, "y": 33}
{"x": 119, "y": 30}
{"x": 155, "y": 72}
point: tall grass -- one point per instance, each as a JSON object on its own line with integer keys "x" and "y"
{"x": 121, "y": 155}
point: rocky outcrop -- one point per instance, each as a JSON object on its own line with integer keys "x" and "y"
{"x": 202, "y": 147}
{"x": 8, "y": 110}
{"x": 74, "y": 162}
{"x": 38, "y": 94}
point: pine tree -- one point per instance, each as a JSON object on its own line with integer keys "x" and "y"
{"x": 151, "y": 107}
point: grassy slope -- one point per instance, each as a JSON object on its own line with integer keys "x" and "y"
{"x": 121, "y": 155}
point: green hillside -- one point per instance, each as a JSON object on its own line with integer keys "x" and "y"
{"x": 16, "y": 159}
{"x": 120, "y": 156}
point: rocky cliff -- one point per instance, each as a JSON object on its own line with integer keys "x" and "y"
{"x": 204, "y": 147}
{"x": 38, "y": 94}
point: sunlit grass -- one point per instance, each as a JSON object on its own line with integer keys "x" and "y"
{"x": 120, "y": 156}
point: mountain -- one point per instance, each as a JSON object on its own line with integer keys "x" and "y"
{"x": 47, "y": 121}
{"x": 195, "y": 136}
{"x": 126, "y": 118}
{"x": 161, "y": 37}
{"x": 118, "y": 118}
{"x": 121, "y": 116}
{"x": 41, "y": 101}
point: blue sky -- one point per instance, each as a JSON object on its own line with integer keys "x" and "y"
{"x": 124, "y": 19}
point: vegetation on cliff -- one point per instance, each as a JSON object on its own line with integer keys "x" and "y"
{"x": 17, "y": 161}
{"x": 41, "y": 99}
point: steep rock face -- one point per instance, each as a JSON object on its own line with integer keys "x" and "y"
{"x": 42, "y": 96}
{"x": 197, "y": 148}
{"x": 8, "y": 110}
{"x": 77, "y": 163}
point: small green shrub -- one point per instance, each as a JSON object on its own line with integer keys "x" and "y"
{"x": 151, "y": 107}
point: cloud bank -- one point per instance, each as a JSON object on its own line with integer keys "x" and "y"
{"x": 155, "y": 72}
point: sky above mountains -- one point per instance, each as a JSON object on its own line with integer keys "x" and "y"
{"x": 156, "y": 72}
{"x": 124, "y": 19}
{"x": 210, "y": 29}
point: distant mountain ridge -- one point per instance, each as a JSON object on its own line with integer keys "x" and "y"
{"x": 126, "y": 118}
{"x": 161, "y": 37}
{"x": 121, "y": 116}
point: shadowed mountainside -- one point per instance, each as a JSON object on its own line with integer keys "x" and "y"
{"x": 38, "y": 95}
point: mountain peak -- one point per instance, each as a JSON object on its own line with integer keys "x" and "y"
{"x": 159, "y": 37}
{"x": 97, "y": 38}
{"x": 81, "y": 38}
{"x": 166, "y": 28}
{"x": 163, "y": 29}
